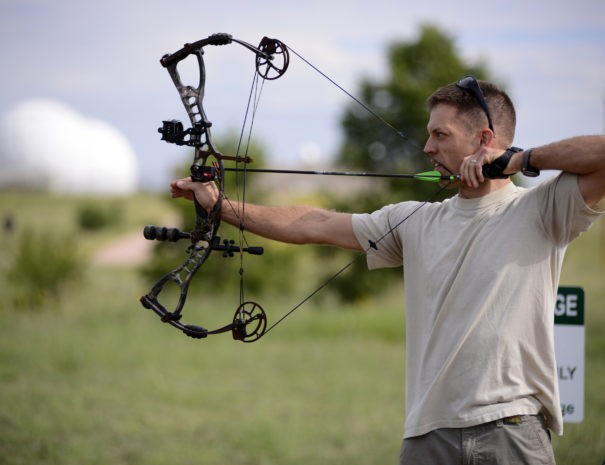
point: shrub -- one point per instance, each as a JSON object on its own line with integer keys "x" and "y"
{"x": 94, "y": 216}
{"x": 44, "y": 263}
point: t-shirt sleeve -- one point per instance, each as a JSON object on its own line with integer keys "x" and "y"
{"x": 380, "y": 234}
{"x": 563, "y": 212}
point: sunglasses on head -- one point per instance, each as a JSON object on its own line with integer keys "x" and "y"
{"x": 470, "y": 84}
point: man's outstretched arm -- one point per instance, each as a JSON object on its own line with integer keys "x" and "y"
{"x": 298, "y": 224}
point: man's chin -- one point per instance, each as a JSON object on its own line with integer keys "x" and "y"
{"x": 446, "y": 183}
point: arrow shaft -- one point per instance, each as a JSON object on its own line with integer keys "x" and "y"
{"x": 426, "y": 176}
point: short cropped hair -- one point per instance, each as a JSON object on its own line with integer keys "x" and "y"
{"x": 500, "y": 106}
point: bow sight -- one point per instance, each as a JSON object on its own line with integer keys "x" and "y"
{"x": 172, "y": 131}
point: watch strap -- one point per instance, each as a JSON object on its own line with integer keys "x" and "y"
{"x": 526, "y": 167}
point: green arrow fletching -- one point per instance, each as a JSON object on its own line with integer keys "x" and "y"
{"x": 433, "y": 176}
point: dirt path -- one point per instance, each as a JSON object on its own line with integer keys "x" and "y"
{"x": 129, "y": 250}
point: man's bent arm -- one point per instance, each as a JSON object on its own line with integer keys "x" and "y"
{"x": 582, "y": 155}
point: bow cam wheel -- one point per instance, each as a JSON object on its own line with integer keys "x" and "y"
{"x": 275, "y": 59}
{"x": 249, "y": 322}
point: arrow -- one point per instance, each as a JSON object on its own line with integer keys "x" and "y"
{"x": 428, "y": 176}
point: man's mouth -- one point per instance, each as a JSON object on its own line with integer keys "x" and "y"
{"x": 441, "y": 168}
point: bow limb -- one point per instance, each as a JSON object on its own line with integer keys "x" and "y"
{"x": 249, "y": 321}
{"x": 203, "y": 235}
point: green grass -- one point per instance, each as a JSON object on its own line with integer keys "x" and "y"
{"x": 102, "y": 381}
{"x": 96, "y": 379}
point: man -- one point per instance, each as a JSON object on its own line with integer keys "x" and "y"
{"x": 481, "y": 272}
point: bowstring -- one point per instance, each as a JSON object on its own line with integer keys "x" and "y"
{"x": 356, "y": 99}
{"x": 244, "y": 140}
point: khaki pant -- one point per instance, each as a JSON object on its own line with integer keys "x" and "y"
{"x": 522, "y": 439}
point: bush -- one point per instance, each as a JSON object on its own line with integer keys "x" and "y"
{"x": 93, "y": 216}
{"x": 42, "y": 266}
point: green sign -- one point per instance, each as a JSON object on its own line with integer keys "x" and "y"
{"x": 569, "y": 351}
{"x": 569, "y": 307}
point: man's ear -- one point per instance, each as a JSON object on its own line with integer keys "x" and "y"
{"x": 487, "y": 137}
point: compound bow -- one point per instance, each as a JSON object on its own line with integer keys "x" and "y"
{"x": 249, "y": 321}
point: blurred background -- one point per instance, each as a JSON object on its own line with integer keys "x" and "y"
{"x": 87, "y": 376}
{"x": 101, "y": 61}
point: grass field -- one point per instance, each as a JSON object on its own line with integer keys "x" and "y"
{"x": 95, "y": 379}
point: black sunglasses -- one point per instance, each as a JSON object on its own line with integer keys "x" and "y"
{"x": 470, "y": 84}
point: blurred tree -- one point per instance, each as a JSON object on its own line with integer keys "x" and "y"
{"x": 416, "y": 69}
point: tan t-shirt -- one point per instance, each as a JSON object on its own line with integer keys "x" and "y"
{"x": 481, "y": 277}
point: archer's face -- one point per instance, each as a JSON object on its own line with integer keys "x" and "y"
{"x": 450, "y": 139}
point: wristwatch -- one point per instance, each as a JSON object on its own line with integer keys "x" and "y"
{"x": 526, "y": 167}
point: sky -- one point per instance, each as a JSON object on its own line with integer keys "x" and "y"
{"x": 102, "y": 58}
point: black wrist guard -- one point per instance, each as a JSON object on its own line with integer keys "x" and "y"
{"x": 495, "y": 169}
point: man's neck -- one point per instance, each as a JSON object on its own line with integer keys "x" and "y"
{"x": 489, "y": 186}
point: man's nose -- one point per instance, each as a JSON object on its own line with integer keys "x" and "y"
{"x": 428, "y": 147}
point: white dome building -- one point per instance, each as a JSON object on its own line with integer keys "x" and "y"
{"x": 47, "y": 145}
